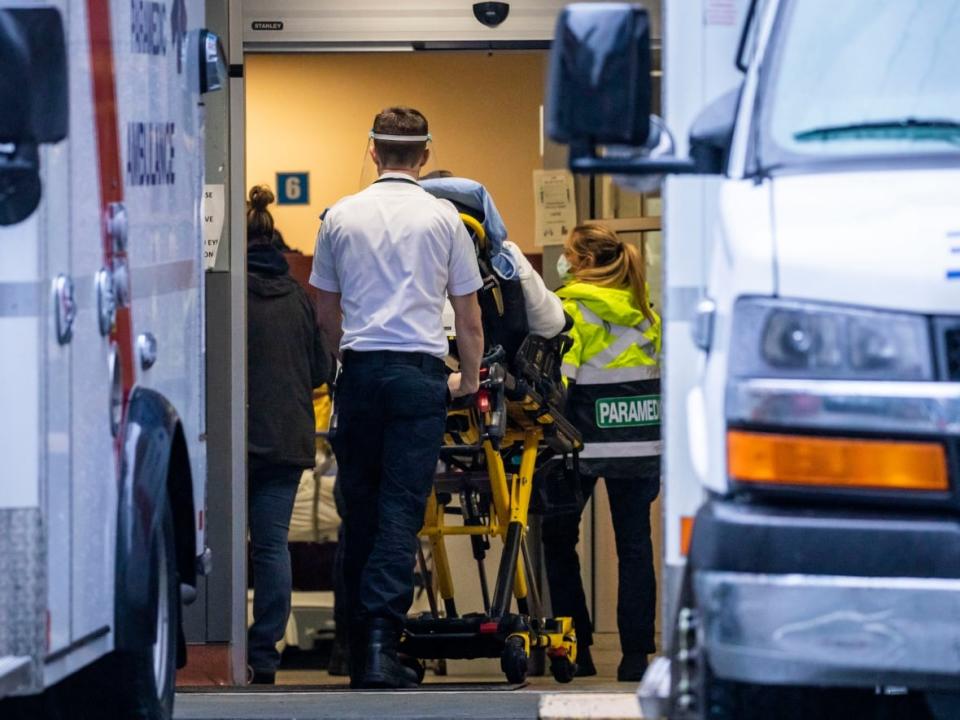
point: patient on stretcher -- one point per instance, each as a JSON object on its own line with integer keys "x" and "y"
{"x": 514, "y": 300}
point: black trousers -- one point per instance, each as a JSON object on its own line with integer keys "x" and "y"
{"x": 391, "y": 413}
{"x": 630, "y": 500}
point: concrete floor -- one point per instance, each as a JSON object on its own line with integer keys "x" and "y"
{"x": 472, "y": 690}
{"x": 423, "y": 705}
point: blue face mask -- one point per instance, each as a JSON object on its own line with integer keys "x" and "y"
{"x": 564, "y": 268}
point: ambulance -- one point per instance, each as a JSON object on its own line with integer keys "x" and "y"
{"x": 811, "y": 156}
{"x": 102, "y": 458}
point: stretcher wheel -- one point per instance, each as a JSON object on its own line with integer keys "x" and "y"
{"x": 513, "y": 661}
{"x": 562, "y": 669}
{"x": 415, "y": 665}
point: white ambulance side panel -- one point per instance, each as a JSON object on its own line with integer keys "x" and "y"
{"x": 94, "y": 474}
{"x": 56, "y": 491}
{"x": 162, "y": 163}
{"x": 700, "y": 43}
{"x": 20, "y": 363}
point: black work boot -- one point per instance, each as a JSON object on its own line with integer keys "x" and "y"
{"x": 632, "y": 667}
{"x": 356, "y": 654}
{"x": 585, "y": 666}
{"x": 384, "y": 669}
{"x": 339, "y": 663}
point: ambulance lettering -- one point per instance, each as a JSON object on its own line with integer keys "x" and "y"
{"x": 624, "y": 412}
{"x": 148, "y": 27}
{"x": 150, "y": 153}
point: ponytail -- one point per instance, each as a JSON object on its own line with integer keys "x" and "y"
{"x": 636, "y": 263}
{"x": 602, "y": 258}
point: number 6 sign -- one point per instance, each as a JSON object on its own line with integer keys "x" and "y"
{"x": 293, "y": 188}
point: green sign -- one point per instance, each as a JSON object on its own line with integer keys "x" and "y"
{"x": 628, "y": 411}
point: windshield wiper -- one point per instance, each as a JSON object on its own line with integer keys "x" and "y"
{"x": 901, "y": 129}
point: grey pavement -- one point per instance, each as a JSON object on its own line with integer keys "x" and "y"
{"x": 357, "y": 705}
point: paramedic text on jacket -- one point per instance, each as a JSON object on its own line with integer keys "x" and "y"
{"x": 615, "y": 372}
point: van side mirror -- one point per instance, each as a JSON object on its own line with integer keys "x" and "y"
{"x": 599, "y": 77}
{"x": 712, "y": 133}
{"x": 33, "y": 103}
{"x": 599, "y": 100}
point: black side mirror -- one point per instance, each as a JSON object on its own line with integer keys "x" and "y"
{"x": 33, "y": 103}
{"x": 712, "y": 133}
{"x": 599, "y": 91}
{"x": 599, "y": 81}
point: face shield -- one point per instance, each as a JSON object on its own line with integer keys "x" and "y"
{"x": 368, "y": 170}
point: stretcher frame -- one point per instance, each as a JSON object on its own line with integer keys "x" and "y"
{"x": 496, "y": 632}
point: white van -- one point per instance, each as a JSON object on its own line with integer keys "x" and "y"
{"x": 823, "y": 420}
{"x": 102, "y": 460}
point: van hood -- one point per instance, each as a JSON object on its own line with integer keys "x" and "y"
{"x": 888, "y": 239}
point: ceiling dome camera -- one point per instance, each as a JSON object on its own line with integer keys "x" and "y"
{"x": 491, "y": 14}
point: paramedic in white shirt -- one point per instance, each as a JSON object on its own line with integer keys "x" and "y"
{"x": 386, "y": 259}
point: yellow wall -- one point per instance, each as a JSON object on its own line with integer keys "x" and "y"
{"x": 312, "y": 112}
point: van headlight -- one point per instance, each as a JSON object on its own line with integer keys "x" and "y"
{"x": 783, "y": 338}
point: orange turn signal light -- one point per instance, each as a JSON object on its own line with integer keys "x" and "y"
{"x": 772, "y": 459}
{"x": 686, "y": 534}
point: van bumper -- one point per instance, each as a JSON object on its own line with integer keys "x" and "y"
{"x": 823, "y": 598}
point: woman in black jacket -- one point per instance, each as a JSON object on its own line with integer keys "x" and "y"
{"x": 285, "y": 361}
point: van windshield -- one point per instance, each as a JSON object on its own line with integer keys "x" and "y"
{"x": 861, "y": 78}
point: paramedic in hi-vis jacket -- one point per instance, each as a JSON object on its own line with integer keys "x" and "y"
{"x": 613, "y": 371}
{"x": 386, "y": 259}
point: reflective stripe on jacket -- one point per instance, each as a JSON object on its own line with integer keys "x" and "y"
{"x": 614, "y": 370}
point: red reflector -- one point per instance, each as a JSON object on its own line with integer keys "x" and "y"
{"x": 483, "y": 401}
{"x": 488, "y": 628}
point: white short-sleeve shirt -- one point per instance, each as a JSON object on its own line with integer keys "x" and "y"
{"x": 393, "y": 251}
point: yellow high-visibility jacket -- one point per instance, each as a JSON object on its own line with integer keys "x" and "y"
{"x": 613, "y": 374}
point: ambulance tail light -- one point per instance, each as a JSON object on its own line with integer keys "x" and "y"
{"x": 780, "y": 460}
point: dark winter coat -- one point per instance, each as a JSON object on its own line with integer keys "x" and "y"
{"x": 286, "y": 359}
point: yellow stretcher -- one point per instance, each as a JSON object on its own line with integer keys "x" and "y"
{"x": 491, "y": 451}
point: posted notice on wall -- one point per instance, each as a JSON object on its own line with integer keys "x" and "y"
{"x": 555, "y": 206}
{"x": 213, "y": 210}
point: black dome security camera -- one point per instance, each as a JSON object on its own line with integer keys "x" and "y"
{"x": 491, "y": 14}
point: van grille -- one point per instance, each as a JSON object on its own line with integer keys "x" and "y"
{"x": 951, "y": 343}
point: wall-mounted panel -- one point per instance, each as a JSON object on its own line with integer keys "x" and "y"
{"x": 305, "y": 24}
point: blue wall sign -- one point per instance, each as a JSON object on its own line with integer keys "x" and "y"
{"x": 293, "y": 188}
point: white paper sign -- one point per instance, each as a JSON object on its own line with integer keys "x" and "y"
{"x": 213, "y": 210}
{"x": 555, "y": 206}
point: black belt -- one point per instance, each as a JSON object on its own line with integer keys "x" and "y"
{"x": 391, "y": 357}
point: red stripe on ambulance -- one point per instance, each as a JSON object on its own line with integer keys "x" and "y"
{"x": 111, "y": 182}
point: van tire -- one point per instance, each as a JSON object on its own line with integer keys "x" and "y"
{"x": 139, "y": 684}
{"x": 150, "y": 673}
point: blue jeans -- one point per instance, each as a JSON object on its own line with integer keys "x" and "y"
{"x": 272, "y": 491}
{"x": 391, "y": 414}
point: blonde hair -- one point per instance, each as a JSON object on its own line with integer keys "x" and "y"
{"x": 599, "y": 257}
